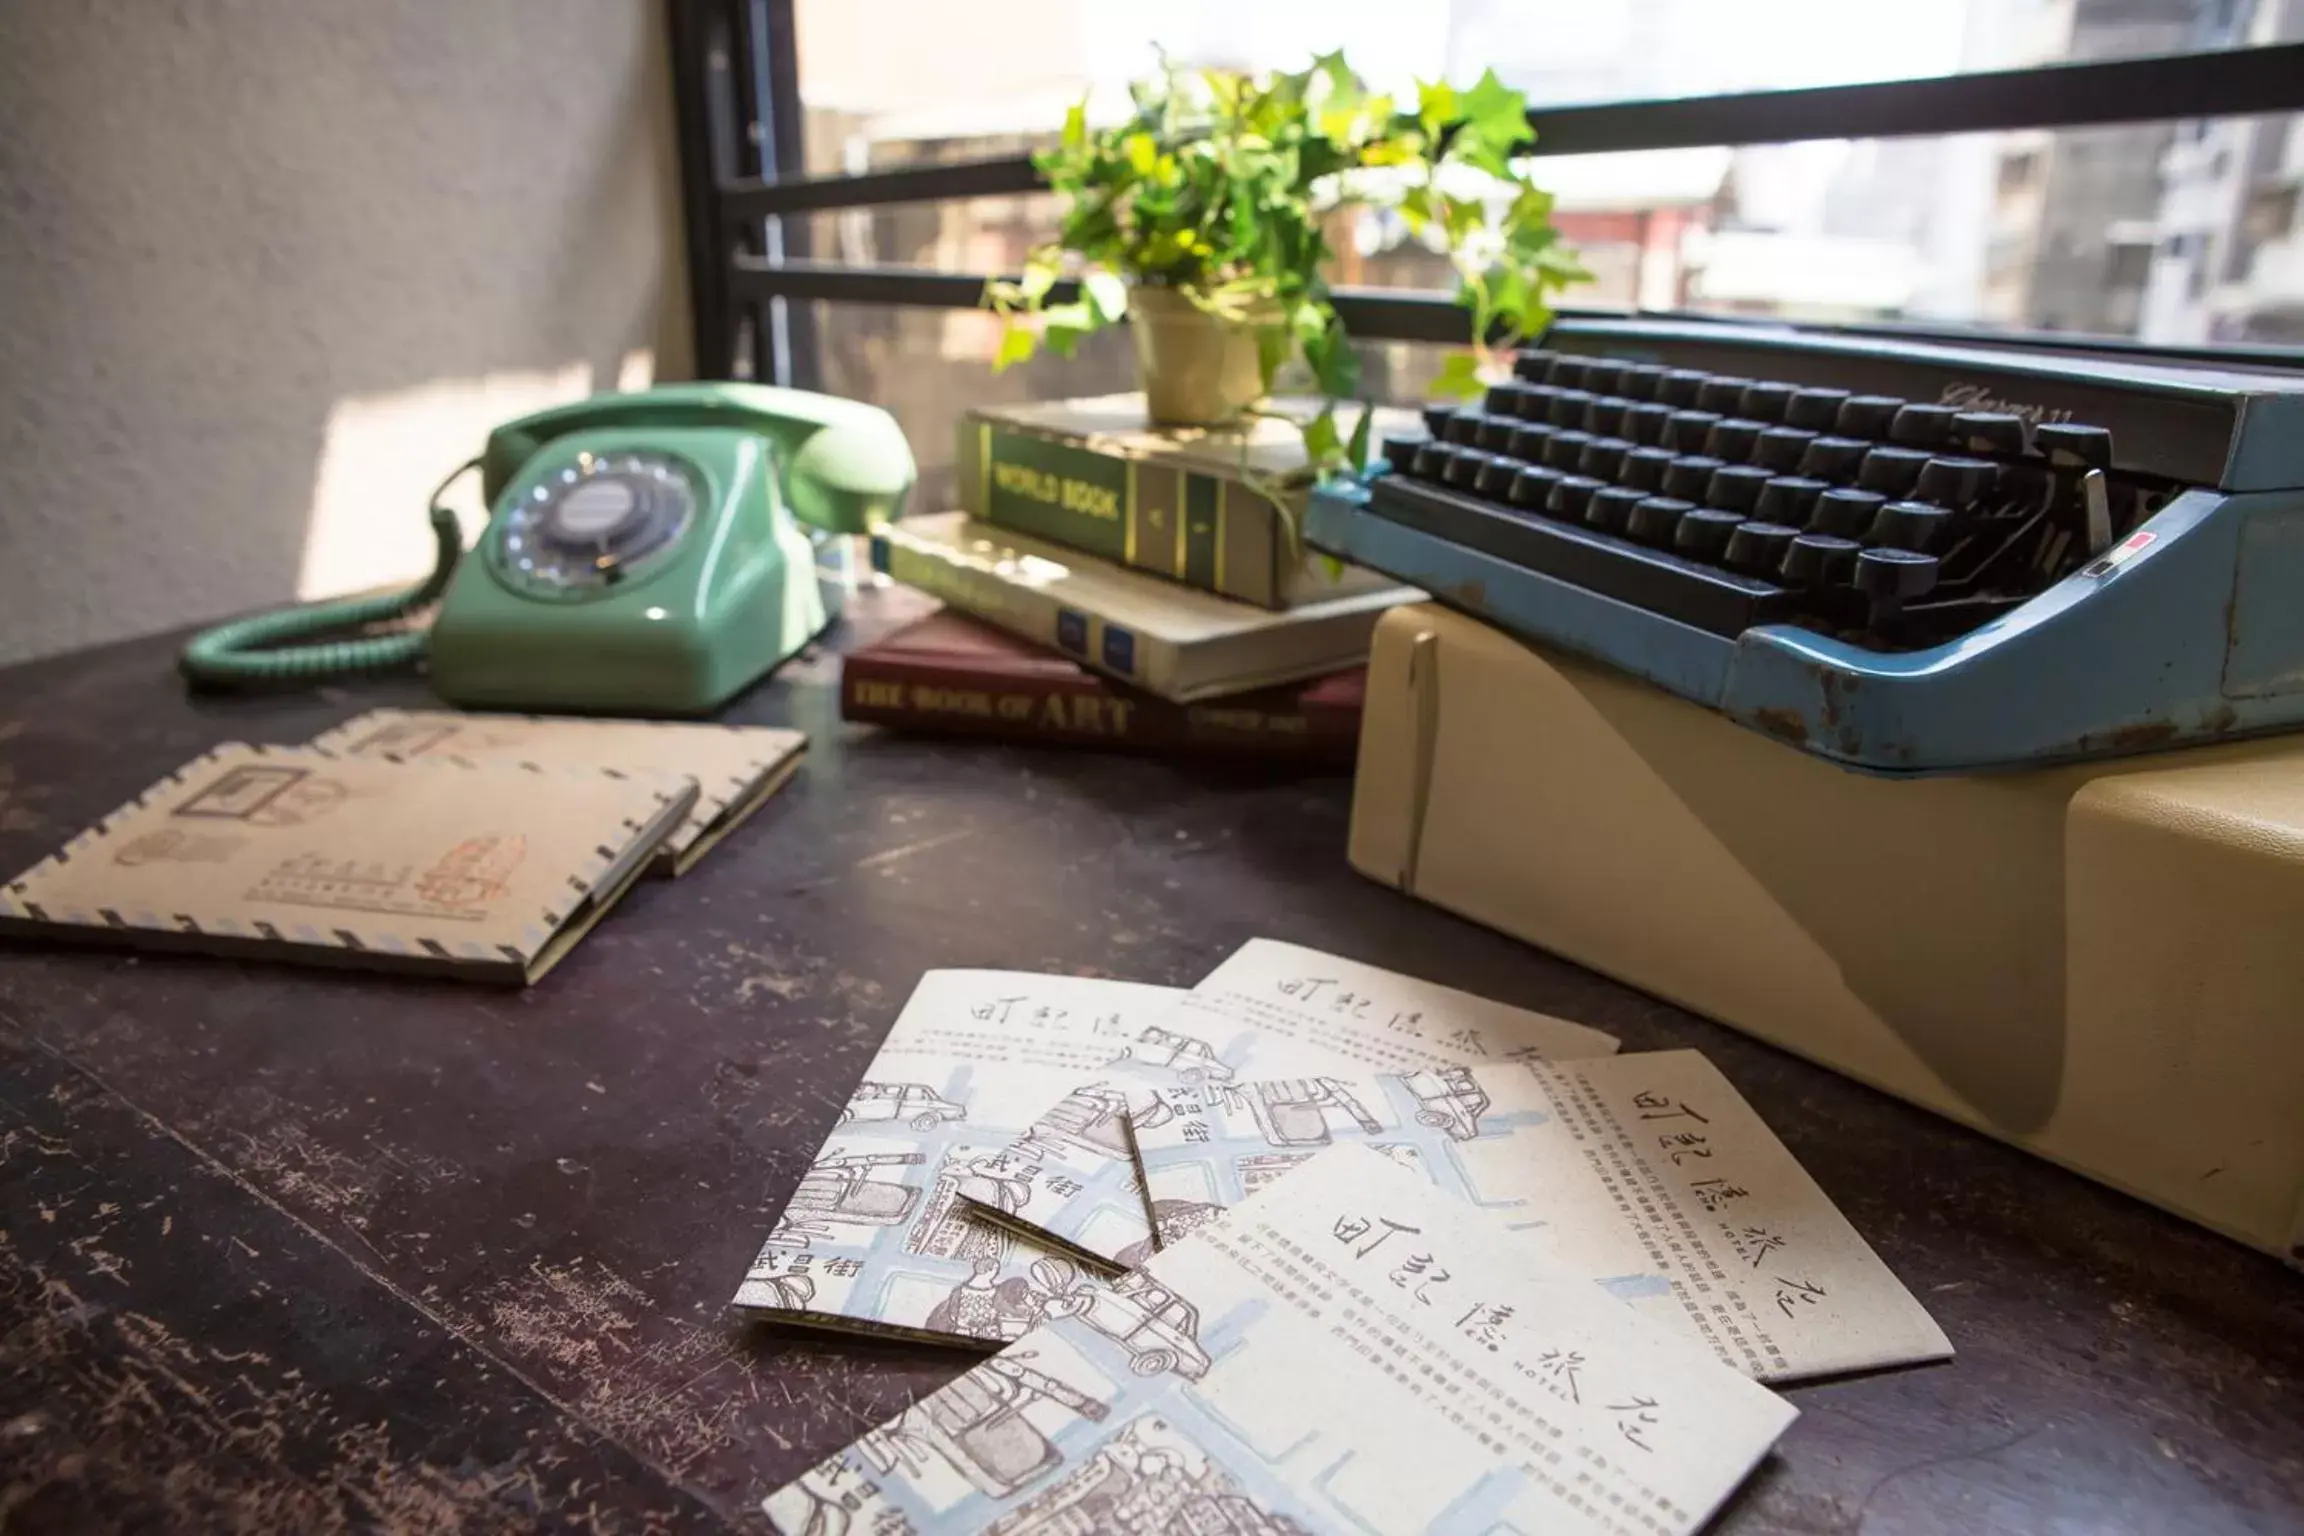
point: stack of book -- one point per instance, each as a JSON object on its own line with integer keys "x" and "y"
{"x": 1112, "y": 584}
{"x": 1312, "y": 1247}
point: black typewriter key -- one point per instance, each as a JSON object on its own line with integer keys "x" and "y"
{"x": 1994, "y": 432}
{"x": 1924, "y": 426}
{"x": 2069, "y": 445}
{"x": 1892, "y": 471}
{"x": 1819, "y": 560}
{"x": 1814, "y": 410}
{"x": 1788, "y": 499}
{"x": 1567, "y": 371}
{"x": 1722, "y": 394}
{"x": 1605, "y": 415}
{"x": 1571, "y": 494}
{"x": 1463, "y": 427}
{"x": 1736, "y": 488}
{"x": 1565, "y": 450}
{"x": 1780, "y": 448}
{"x": 1532, "y": 487}
{"x": 1610, "y": 510}
{"x": 1602, "y": 457}
{"x": 1463, "y": 471}
{"x": 1604, "y": 376}
{"x": 1686, "y": 431}
{"x": 1400, "y": 452}
{"x": 1432, "y": 458}
{"x": 1640, "y": 380}
{"x": 1528, "y": 440}
{"x": 1436, "y": 419}
{"x": 1766, "y": 401}
{"x": 1655, "y": 518}
{"x": 1536, "y": 404}
{"x": 1866, "y": 415}
{"x": 1532, "y": 365}
{"x": 1644, "y": 467}
{"x": 1833, "y": 458}
{"x": 1678, "y": 387}
{"x": 1898, "y": 575}
{"x": 1646, "y": 422}
{"x": 1495, "y": 477}
{"x": 1845, "y": 514}
{"x": 1732, "y": 438}
{"x": 1757, "y": 549}
{"x": 1686, "y": 478}
{"x": 1568, "y": 407}
{"x": 1504, "y": 399}
{"x": 1496, "y": 433}
{"x": 1956, "y": 482}
{"x": 1910, "y": 525}
{"x": 1704, "y": 533}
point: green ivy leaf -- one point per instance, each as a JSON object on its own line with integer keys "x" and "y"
{"x": 1017, "y": 345}
{"x": 1495, "y": 114}
{"x": 1435, "y": 106}
{"x": 1322, "y": 445}
{"x": 1459, "y": 376}
{"x": 1106, "y": 294}
{"x": 1356, "y": 451}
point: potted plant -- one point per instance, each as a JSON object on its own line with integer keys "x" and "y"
{"x": 1203, "y": 219}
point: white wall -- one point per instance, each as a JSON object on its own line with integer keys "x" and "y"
{"x": 268, "y": 268}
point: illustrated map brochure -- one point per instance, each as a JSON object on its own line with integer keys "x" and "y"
{"x": 1270, "y": 1010}
{"x": 1646, "y": 1172}
{"x": 1353, "y": 1350}
{"x": 490, "y": 872}
{"x": 737, "y": 768}
{"x": 876, "y": 1238}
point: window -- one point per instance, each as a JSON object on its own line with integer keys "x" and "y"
{"x": 2004, "y": 215}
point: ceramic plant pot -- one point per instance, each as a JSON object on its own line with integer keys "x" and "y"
{"x": 1197, "y": 370}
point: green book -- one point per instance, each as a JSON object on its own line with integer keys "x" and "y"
{"x": 1190, "y": 504}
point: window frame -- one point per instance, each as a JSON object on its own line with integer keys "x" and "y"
{"x": 751, "y": 273}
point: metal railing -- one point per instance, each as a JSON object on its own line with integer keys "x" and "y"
{"x": 751, "y": 273}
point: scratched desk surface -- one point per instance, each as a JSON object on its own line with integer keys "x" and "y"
{"x": 298, "y": 1250}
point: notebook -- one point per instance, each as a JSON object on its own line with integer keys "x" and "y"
{"x": 736, "y": 767}
{"x": 1271, "y": 1009}
{"x": 1648, "y": 1173}
{"x": 291, "y": 853}
{"x": 1351, "y": 1351}
{"x": 877, "y": 1237}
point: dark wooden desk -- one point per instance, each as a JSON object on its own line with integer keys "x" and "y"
{"x": 292, "y": 1250}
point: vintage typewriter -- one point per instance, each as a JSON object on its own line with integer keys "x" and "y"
{"x": 1906, "y": 557}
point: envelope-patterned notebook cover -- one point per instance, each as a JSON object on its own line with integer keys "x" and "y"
{"x": 737, "y": 768}
{"x": 295, "y": 853}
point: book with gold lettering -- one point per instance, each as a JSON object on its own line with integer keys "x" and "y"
{"x": 737, "y": 768}
{"x": 950, "y": 675}
{"x": 1169, "y": 640}
{"x": 489, "y": 872}
{"x": 1212, "y": 507}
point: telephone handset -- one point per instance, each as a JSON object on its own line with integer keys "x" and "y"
{"x": 644, "y": 554}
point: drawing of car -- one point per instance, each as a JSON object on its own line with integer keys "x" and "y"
{"x": 917, "y": 1103}
{"x": 841, "y": 1188}
{"x": 1293, "y": 1111}
{"x": 1193, "y": 1059}
{"x": 1093, "y": 1117}
{"x": 1157, "y": 1327}
{"x": 1447, "y": 1099}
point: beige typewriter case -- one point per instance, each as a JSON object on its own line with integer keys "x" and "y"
{"x": 2102, "y": 963}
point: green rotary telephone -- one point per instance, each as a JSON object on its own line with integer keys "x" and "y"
{"x": 644, "y": 554}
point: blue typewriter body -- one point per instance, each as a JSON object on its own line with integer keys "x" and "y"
{"x": 2165, "y": 606}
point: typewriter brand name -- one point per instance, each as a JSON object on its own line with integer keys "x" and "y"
{"x": 1979, "y": 397}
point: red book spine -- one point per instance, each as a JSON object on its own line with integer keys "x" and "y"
{"x": 1311, "y": 723}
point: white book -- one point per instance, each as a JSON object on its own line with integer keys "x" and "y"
{"x": 1272, "y": 1009}
{"x": 1167, "y": 639}
{"x": 1647, "y": 1173}
{"x": 1353, "y": 1350}
{"x": 876, "y": 1238}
